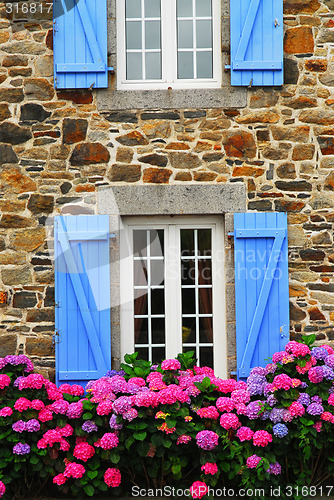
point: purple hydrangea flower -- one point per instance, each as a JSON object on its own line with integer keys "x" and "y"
{"x": 253, "y": 409}
{"x": 113, "y": 423}
{"x": 319, "y": 353}
{"x": 19, "y": 426}
{"x": 280, "y": 430}
{"x": 271, "y": 400}
{"x": 276, "y": 415}
{"x": 122, "y": 404}
{"x": 316, "y": 399}
{"x": 328, "y": 372}
{"x": 315, "y": 409}
{"x": 330, "y": 360}
{"x": 33, "y": 425}
{"x": 131, "y": 414}
{"x": 21, "y": 449}
{"x": 274, "y": 469}
{"x": 304, "y": 399}
{"x": 89, "y": 426}
{"x": 18, "y": 380}
{"x": 303, "y": 385}
{"x": 112, "y": 373}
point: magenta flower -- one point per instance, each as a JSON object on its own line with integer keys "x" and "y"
{"x": 4, "y": 381}
{"x": 229, "y": 421}
{"x": 60, "y": 479}
{"x": 198, "y": 489}
{"x": 253, "y": 461}
{"x": 262, "y": 438}
{"x": 245, "y": 434}
{"x": 83, "y": 451}
{"x": 170, "y": 364}
{"x": 225, "y": 404}
{"x": 2, "y": 489}
{"x": 210, "y": 468}
{"x": 74, "y": 470}
{"x": 207, "y": 440}
{"x": 112, "y": 477}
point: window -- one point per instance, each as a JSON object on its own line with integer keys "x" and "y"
{"x": 169, "y": 43}
{"x": 172, "y": 282}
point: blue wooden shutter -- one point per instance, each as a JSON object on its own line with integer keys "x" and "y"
{"x": 82, "y": 293}
{"x": 256, "y": 42}
{"x": 261, "y": 287}
{"x": 80, "y": 44}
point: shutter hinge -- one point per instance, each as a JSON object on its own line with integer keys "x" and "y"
{"x": 56, "y": 337}
{"x": 230, "y": 235}
{"x": 227, "y": 66}
{"x": 56, "y": 81}
{"x": 111, "y": 69}
{"x": 276, "y": 23}
{"x": 55, "y": 27}
{"x": 57, "y": 304}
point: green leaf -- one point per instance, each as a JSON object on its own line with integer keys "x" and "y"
{"x": 140, "y": 436}
{"x": 89, "y": 490}
{"x": 129, "y": 441}
{"x": 87, "y": 416}
{"x": 34, "y": 459}
{"x": 206, "y": 382}
{"x": 92, "y": 474}
{"x": 114, "y": 457}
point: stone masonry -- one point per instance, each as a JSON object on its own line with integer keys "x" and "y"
{"x": 56, "y": 149}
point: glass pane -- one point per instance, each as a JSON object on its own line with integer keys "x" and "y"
{"x": 203, "y": 8}
{"x": 133, "y": 35}
{"x": 204, "y": 65}
{"x": 157, "y": 243}
{"x": 158, "y": 354}
{"x": 141, "y": 331}
{"x": 187, "y": 272}
{"x": 205, "y": 330}
{"x": 185, "y": 35}
{"x": 188, "y": 330}
{"x": 206, "y": 356}
{"x": 188, "y": 301}
{"x": 134, "y": 67}
{"x": 139, "y": 243}
{"x": 133, "y": 8}
{"x": 204, "y": 241}
{"x": 185, "y": 65}
{"x": 152, "y": 8}
{"x": 187, "y": 242}
{"x": 203, "y": 34}
{"x": 157, "y": 301}
{"x": 140, "y": 302}
{"x": 157, "y": 272}
{"x": 205, "y": 300}
{"x": 152, "y": 35}
{"x": 184, "y": 8}
{"x": 158, "y": 330}
{"x": 153, "y": 66}
{"x": 204, "y": 272}
{"x": 140, "y": 273}
{"x": 142, "y": 353}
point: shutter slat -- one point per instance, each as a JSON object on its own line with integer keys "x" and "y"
{"x": 256, "y": 42}
{"x": 80, "y": 44}
{"x": 261, "y": 287}
{"x": 83, "y": 292}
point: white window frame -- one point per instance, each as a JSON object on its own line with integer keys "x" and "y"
{"x": 169, "y": 52}
{"x": 173, "y": 319}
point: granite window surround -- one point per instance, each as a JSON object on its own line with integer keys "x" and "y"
{"x": 212, "y": 199}
{"x": 112, "y": 99}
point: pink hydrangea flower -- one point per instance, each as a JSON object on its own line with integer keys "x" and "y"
{"x": 311, "y": 362}
{"x": 37, "y": 404}
{"x": 253, "y": 461}
{"x": 296, "y": 409}
{"x": 327, "y": 416}
{"x": 262, "y": 438}
{"x": 282, "y": 381}
{"x": 210, "y": 468}
{"x": 32, "y": 381}
{"x": 45, "y": 415}
{"x": 207, "y": 440}
{"x": 66, "y": 431}
{"x": 60, "y": 406}
{"x": 226, "y": 386}
{"x": 83, "y": 451}
{"x": 245, "y": 434}
{"x": 225, "y": 404}
{"x": 315, "y": 374}
{"x": 198, "y": 489}
{"x": 2, "y": 489}
{"x": 4, "y": 381}
{"x": 6, "y": 411}
{"x": 278, "y": 356}
{"x": 170, "y": 364}
{"x": 328, "y": 348}
{"x": 183, "y": 439}
{"x": 208, "y": 412}
{"x": 108, "y": 440}
{"x": 104, "y": 408}
{"x": 74, "y": 470}
{"x": 297, "y": 349}
{"x": 317, "y": 426}
{"x": 331, "y": 400}
{"x": 112, "y": 477}
{"x": 22, "y": 404}
{"x": 229, "y": 421}
{"x": 59, "y": 479}
{"x": 240, "y": 396}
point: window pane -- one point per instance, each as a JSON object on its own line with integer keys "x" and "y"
{"x": 187, "y": 242}
{"x": 157, "y": 272}
{"x": 205, "y": 300}
{"x": 184, "y": 8}
{"x": 203, "y": 34}
{"x": 152, "y": 8}
{"x": 157, "y": 242}
{"x": 139, "y": 243}
{"x": 133, "y": 8}
{"x": 204, "y": 272}
{"x": 133, "y": 35}
{"x": 185, "y": 35}
{"x": 188, "y": 301}
{"x": 158, "y": 330}
{"x": 152, "y": 34}
{"x": 157, "y": 301}
{"x": 141, "y": 331}
{"x": 153, "y": 66}
{"x": 142, "y": 353}
{"x": 206, "y": 356}
{"x": 185, "y": 65}
{"x": 187, "y": 272}
{"x": 158, "y": 354}
{"x": 205, "y": 330}
{"x": 203, "y": 8}
{"x": 204, "y": 242}
{"x": 140, "y": 302}
{"x": 204, "y": 64}
{"x": 134, "y": 66}
{"x": 188, "y": 330}
{"x": 140, "y": 272}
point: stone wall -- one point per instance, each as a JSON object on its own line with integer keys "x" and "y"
{"x": 57, "y": 148}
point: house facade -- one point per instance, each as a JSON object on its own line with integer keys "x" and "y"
{"x": 103, "y": 172}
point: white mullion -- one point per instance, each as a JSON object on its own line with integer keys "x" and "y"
{"x": 149, "y": 311}
{"x": 171, "y": 45}
{"x": 196, "y": 293}
{"x": 143, "y": 46}
{"x": 194, "y": 41}
{"x": 219, "y": 302}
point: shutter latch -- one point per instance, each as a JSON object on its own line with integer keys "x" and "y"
{"x": 276, "y": 23}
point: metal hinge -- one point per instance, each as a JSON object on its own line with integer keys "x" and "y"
{"x": 56, "y": 337}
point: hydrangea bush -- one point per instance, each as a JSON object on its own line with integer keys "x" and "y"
{"x": 173, "y": 424}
